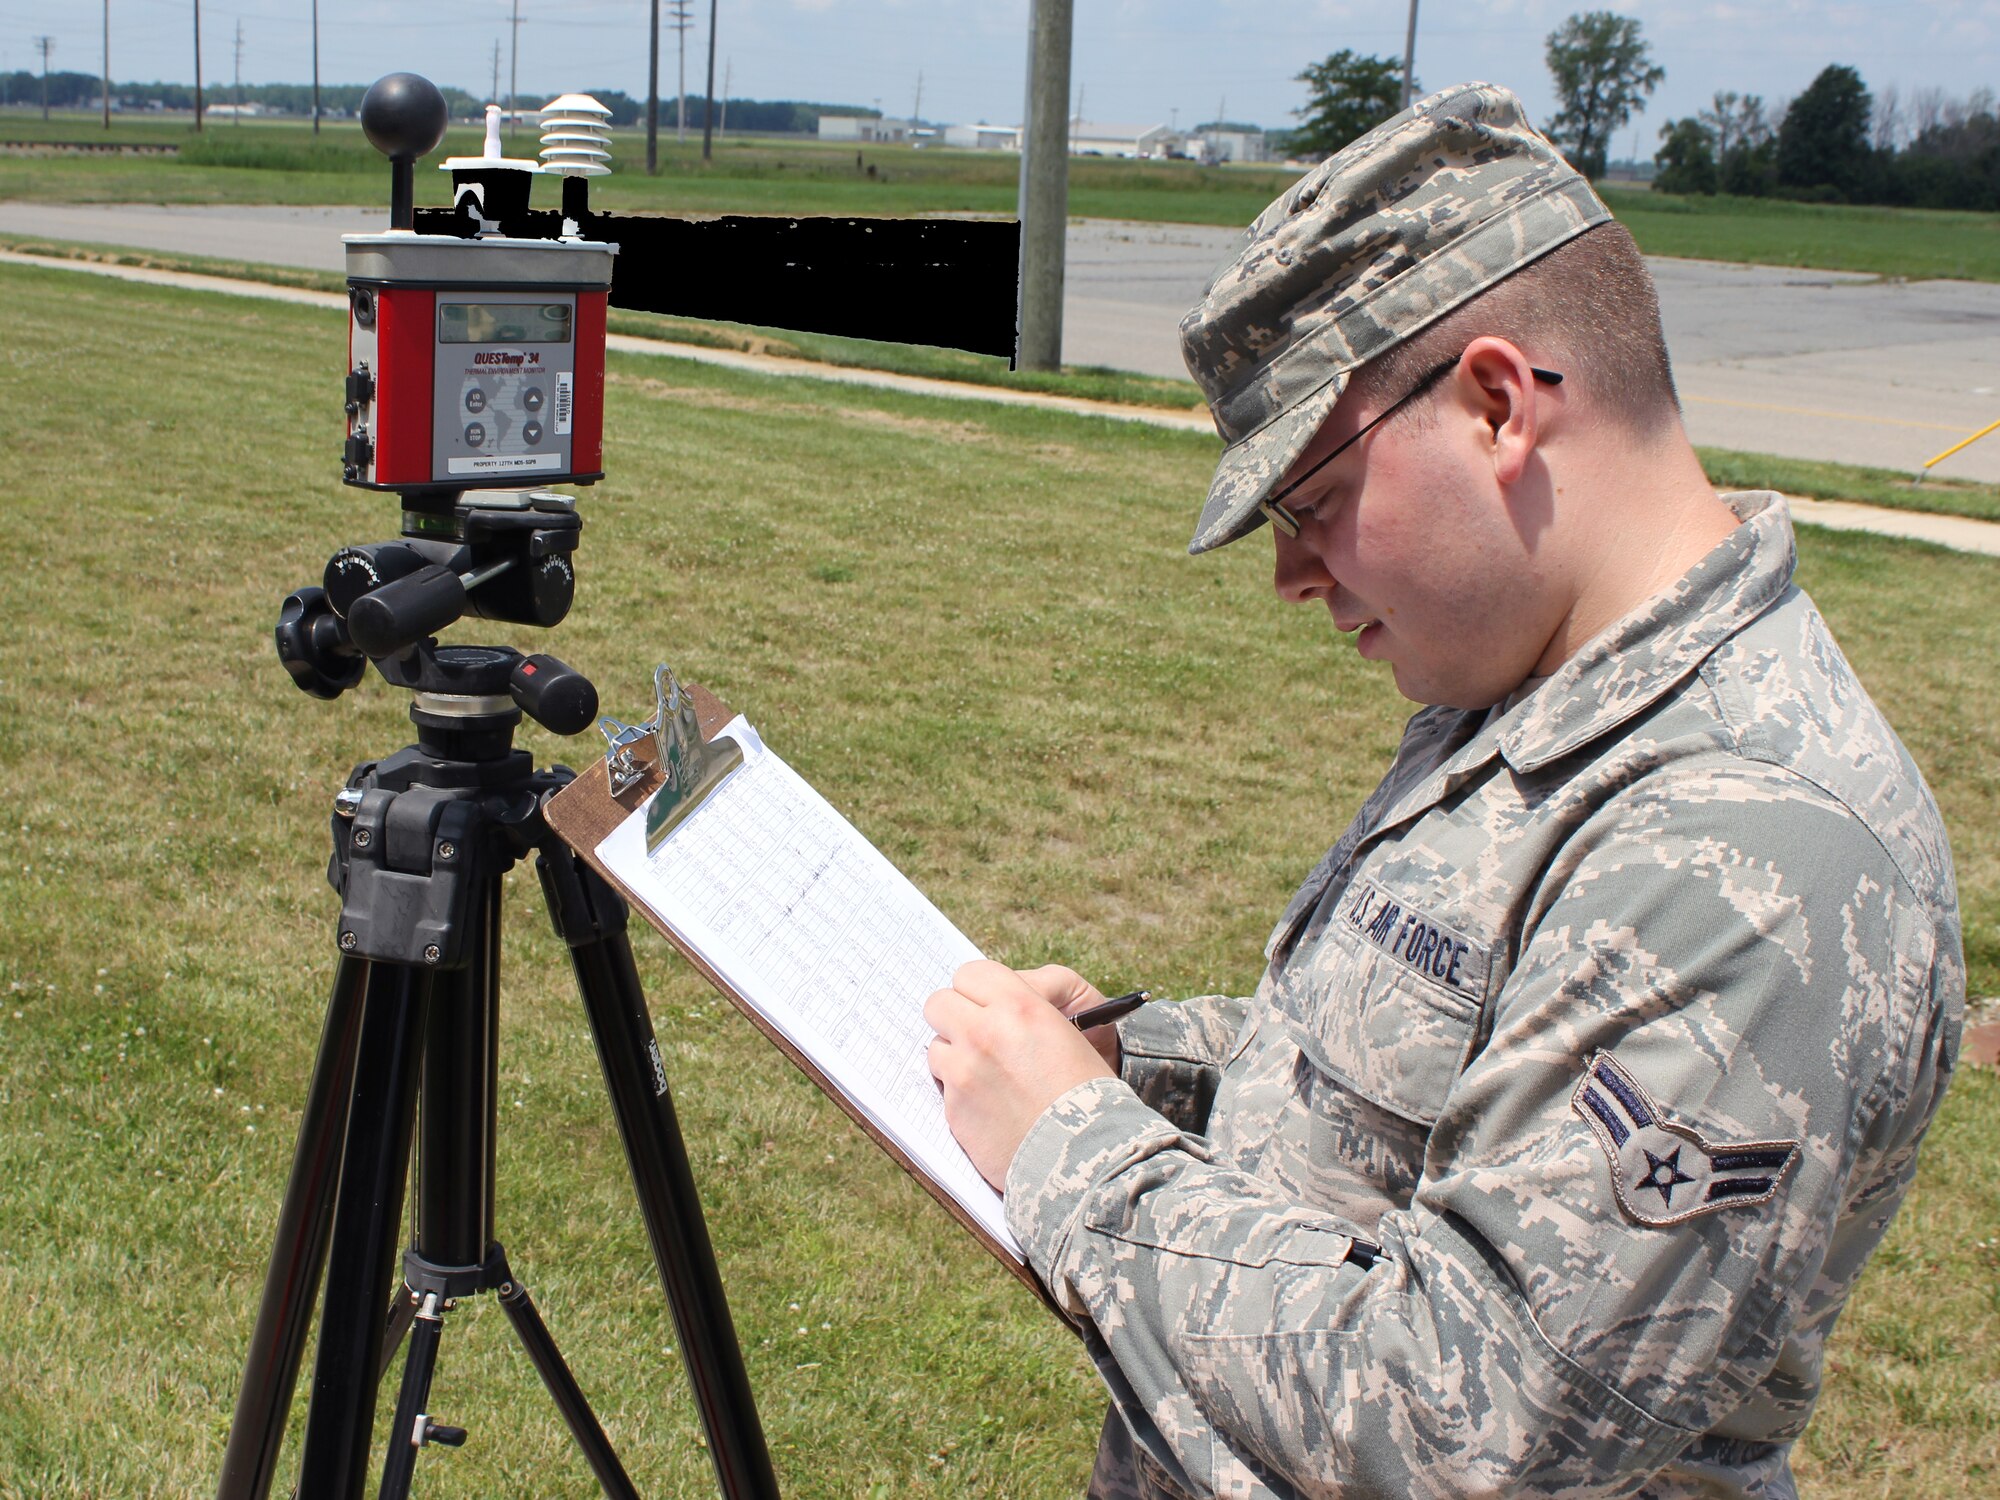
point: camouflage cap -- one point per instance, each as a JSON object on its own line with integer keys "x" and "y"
{"x": 1379, "y": 240}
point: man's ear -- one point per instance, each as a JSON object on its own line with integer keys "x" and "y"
{"x": 1495, "y": 380}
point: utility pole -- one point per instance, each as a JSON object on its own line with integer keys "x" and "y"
{"x": 45, "y": 45}
{"x": 1044, "y": 198}
{"x": 239, "y": 72}
{"x": 708, "y": 109}
{"x": 682, "y": 25}
{"x": 494, "y": 97}
{"x": 1410, "y": 57}
{"x": 197, "y": 64}
{"x": 315, "y": 67}
{"x": 514, "y": 73}
{"x": 653, "y": 94}
{"x": 107, "y": 64}
{"x": 1076, "y": 125}
{"x": 728, "y": 68}
{"x": 917, "y": 109}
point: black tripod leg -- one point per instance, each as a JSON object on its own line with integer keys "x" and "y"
{"x": 365, "y": 1225}
{"x": 406, "y": 1432}
{"x": 590, "y": 917}
{"x": 402, "y": 1312}
{"x": 276, "y": 1347}
{"x": 562, "y": 1386}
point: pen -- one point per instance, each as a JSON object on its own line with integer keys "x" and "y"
{"x": 1110, "y": 1010}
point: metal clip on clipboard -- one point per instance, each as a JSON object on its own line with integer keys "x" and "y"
{"x": 693, "y": 767}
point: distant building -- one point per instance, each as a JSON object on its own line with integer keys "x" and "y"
{"x": 1086, "y": 137}
{"x": 1091, "y": 138}
{"x": 983, "y": 137}
{"x": 866, "y": 130}
{"x": 227, "y": 111}
{"x": 1231, "y": 145}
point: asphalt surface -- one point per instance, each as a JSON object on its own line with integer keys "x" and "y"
{"x": 1807, "y": 364}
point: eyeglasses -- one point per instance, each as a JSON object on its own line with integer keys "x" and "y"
{"x": 1288, "y": 522}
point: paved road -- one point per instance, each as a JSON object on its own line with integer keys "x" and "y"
{"x": 1810, "y": 364}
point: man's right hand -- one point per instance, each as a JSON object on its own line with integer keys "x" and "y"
{"x": 1069, "y": 992}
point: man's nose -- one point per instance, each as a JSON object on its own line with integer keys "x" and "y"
{"x": 1298, "y": 574}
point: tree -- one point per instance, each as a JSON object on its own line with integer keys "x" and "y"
{"x": 1603, "y": 71}
{"x": 1348, "y": 95}
{"x": 1887, "y": 126}
{"x": 1687, "y": 160}
{"x": 1823, "y": 141}
{"x": 1736, "y": 120}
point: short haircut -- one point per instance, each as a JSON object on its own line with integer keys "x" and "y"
{"x": 1586, "y": 309}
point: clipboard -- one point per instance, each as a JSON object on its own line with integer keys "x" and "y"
{"x": 617, "y": 785}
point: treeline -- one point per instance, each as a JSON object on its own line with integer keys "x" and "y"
{"x": 1838, "y": 143}
{"x": 86, "y": 91}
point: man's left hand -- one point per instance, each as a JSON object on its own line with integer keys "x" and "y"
{"x": 1004, "y": 1052}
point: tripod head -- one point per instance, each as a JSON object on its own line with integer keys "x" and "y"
{"x": 475, "y": 366}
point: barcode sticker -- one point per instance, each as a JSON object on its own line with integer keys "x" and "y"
{"x": 563, "y": 389}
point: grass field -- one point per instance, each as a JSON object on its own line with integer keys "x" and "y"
{"x": 975, "y": 628}
{"x": 279, "y": 162}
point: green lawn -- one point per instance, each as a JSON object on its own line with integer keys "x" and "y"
{"x": 1906, "y": 242}
{"x": 974, "y": 627}
{"x": 280, "y": 162}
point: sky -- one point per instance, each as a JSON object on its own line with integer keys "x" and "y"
{"x": 1135, "y": 61}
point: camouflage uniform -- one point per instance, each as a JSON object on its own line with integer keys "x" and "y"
{"x": 1589, "y": 1064}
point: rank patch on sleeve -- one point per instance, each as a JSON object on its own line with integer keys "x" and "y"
{"x": 1665, "y": 1172}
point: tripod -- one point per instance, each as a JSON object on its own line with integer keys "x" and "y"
{"x": 409, "y": 1052}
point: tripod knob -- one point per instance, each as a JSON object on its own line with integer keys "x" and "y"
{"x": 553, "y": 694}
{"x": 436, "y": 1432}
{"x": 313, "y": 645}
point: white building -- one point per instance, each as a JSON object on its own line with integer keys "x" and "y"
{"x": 983, "y": 137}
{"x": 865, "y": 130}
{"x": 1092, "y": 138}
{"x": 1231, "y": 145}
